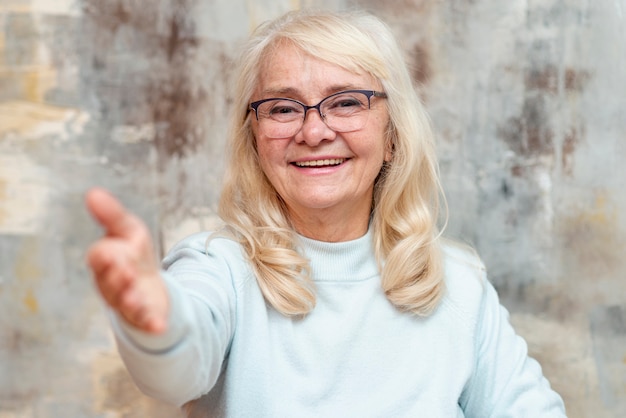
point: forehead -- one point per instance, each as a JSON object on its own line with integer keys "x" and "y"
{"x": 288, "y": 68}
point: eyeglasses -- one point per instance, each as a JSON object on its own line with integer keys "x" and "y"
{"x": 345, "y": 111}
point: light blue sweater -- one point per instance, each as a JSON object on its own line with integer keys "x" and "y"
{"x": 228, "y": 353}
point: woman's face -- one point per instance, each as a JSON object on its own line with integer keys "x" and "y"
{"x": 326, "y": 178}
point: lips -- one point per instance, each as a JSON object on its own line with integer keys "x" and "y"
{"x": 320, "y": 163}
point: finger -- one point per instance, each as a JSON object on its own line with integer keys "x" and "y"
{"x": 108, "y": 253}
{"x": 114, "y": 284}
{"x": 110, "y": 213}
{"x": 137, "y": 309}
{"x": 112, "y": 268}
{"x": 100, "y": 256}
{"x": 155, "y": 325}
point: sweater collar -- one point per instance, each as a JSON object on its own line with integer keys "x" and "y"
{"x": 341, "y": 261}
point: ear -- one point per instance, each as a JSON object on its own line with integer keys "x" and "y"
{"x": 389, "y": 142}
{"x": 389, "y": 147}
{"x": 388, "y": 155}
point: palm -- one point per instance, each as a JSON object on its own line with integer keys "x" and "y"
{"x": 124, "y": 265}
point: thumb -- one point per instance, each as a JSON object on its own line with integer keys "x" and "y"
{"x": 110, "y": 213}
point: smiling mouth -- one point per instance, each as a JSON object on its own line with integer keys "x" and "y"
{"x": 320, "y": 163}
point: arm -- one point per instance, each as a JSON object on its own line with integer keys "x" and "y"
{"x": 506, "y": 382}
{"x": 172, "y": 327}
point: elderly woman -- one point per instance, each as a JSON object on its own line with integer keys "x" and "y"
{"x": 329, "y": 291}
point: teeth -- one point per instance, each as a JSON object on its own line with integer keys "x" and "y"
{"x": 319, "y": 163}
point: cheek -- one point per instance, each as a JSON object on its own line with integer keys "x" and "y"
{"x": 260, "y": 144}
{"x": 383, "y": 140}
{"x": 261, "y": 148}
{"x": 263, "y": 159}
{"x": 265, "y": 151}
{"x": 270, "y": 157}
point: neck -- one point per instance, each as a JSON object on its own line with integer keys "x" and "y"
{"x": 331, "y": 227}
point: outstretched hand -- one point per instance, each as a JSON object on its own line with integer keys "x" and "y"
{"x": 124, "y": 265}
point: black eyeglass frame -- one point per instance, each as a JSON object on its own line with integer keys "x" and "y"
{"x": 368, "y": 93}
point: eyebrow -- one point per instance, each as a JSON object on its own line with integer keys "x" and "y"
{"x": 293, "y": 92}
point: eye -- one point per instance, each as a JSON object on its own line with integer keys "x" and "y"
{"x": 281, "y": 109}
{"x": 345, "y": 104}
{"x": 276, "y": 110}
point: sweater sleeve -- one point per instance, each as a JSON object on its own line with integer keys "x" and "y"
{"x": 184, "y": 363}
{"x": 506, "y": 382}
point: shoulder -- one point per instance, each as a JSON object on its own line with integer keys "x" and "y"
{"x": 465, "y": 279}
{"x": 207, "y": 245}
{"x": 462, "y": 265}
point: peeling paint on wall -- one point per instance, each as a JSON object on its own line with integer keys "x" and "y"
{"x": 165, "y": 40}
{"x": 117, "y": 397}
{"x": 529, "y": 134}
{"x": 24, "y": 193}
{"x": 30, "y": 120}
{"x": 592, "y": 239}
{"x": 608, "y": 327}
{"x": 421, "y": 69}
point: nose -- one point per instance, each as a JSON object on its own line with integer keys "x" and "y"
{"x": 314, "y": 130}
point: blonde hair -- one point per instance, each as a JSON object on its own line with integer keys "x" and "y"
{"x": 407, "y": 190}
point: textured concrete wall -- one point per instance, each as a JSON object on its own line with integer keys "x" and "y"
{"x": 527, "y": 98}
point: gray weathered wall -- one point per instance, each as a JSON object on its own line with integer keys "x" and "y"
{"x": 527, "y": 98}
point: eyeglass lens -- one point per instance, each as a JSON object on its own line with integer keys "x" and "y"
{"x": 342, "y": 112}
